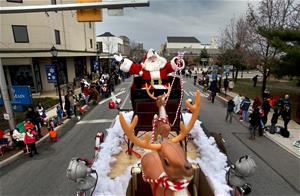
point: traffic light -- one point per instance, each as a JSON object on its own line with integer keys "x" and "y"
{"x": 89, "y": 15}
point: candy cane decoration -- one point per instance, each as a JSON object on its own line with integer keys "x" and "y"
{"x": 99, "y": 139}
{"x": 180, "y": 58}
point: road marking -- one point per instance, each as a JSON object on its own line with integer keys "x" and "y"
{"x": 95, "y": 121}
{"x": 186, "y": 93}
{"x": 109, "y": 98}
{"x": 192, "y": 93}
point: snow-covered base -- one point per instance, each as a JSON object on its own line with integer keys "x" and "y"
{"x": 212, "y": 161}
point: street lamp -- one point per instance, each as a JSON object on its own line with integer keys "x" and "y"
{"x": 54, "y": 53}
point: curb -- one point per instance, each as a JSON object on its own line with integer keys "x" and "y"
{"x": 282, "y": 146}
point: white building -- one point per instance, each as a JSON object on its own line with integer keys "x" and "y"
{"x": 109, "y": 44}
{"x": 26, "y": 39}
{"x": 191, "y": 47}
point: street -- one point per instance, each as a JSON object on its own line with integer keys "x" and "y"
{"x": 277, "y": 171}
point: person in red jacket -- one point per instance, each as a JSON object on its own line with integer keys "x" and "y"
{"x": 29, "y": 140}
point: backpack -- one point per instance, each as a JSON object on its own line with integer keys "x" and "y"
{"x": 284, "y": 133}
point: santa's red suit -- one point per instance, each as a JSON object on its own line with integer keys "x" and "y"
{"x": 153, "y": 68}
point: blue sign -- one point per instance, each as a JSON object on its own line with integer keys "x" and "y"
{"x": 21, "y": 95}
{"x": 50, "y": 72}
{"x": 96, "y": 66}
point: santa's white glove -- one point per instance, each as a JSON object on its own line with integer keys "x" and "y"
{"x": 177, "y": 63}
{"x": 118, "y": 58}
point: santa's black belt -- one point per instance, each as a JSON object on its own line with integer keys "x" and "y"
{"x": 156, "y": 82}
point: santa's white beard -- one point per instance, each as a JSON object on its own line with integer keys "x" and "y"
{"x": 156, "y": 65}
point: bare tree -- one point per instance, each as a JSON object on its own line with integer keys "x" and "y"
{"x": 235, "y": 44}
{"x": 270, "y": 14}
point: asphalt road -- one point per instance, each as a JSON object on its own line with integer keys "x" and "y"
{"x": 277, "y": 171}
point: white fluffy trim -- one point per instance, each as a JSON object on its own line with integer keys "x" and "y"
{"x": 174, "y": 65}
{"x": 125, "y": 66}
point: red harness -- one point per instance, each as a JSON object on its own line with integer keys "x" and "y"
{"x": 164, "y": 182}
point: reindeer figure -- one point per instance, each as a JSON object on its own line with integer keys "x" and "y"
{"x": 166, "y": 168}
{"x": 160, "y": 123}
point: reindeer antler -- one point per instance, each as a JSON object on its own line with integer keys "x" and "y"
{"x": 195, "y": 109}
{"x": 152, "y": 94}
{"x": 169, "y": 90}
{"x": 148, "y": 92}
{"x": 129, "y": 131}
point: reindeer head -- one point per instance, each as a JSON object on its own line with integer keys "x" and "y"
{"x": 171, "y": 155}
{"x": 174, "y": 161}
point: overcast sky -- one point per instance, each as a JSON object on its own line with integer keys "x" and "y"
{"x": 151, "y": 25}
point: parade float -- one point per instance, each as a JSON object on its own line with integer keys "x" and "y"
{"x": 156, "y": 149}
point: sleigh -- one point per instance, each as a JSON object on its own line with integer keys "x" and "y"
{"x": 124, "y": 176}
{"x": 144, "y": 106}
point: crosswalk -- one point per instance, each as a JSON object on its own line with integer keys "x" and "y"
{"x": 193, "y": 93}
{"x": 120, "y": 89}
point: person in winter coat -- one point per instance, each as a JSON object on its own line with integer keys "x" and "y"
{"x": 245, "y": 104}
{"x": 274, "y": 121}
{"x": 285, "y": 110}
{"x": 254, "y": 122}
{"x": 29, "y": 140}
{"x": 213, "y": 88}
{"x": 19, "y": 138}
{"x": 52, "y": 134}
{"x": 34, "y": 117}
{"x": 256, "y": 102}
{"x": 225, "y": 84}
{"x": 230, "y": 108}
{"x": 266, "y": 109}
{"x": 59, "y": 113}
{"x": 70, "y": 103}
{"x": 41, "y": 111}
{"x": 237, "y": 102}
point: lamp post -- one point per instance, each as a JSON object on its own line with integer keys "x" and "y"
{"x": 54, "y": 53}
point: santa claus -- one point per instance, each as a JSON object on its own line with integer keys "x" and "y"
{"x": 154, "y": 69}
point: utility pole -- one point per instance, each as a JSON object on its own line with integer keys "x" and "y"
{"x": 5, "y": 97}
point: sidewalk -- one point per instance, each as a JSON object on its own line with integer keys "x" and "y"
{"x": 51, "y": 112}
{"x": 286, "y": 143}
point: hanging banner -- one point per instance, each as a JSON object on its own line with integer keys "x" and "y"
{"x": 50, "y": 73}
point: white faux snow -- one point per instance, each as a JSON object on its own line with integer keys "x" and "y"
{"x": 111, "y": 146}
{"x": 212, "y": 161}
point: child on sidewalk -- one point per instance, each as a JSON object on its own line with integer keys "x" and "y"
{"x": 60, "y": 113}
{"x": 52, "y": 134}
{"x": 29, "y": 141}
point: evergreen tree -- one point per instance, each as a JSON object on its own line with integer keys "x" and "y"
{"x": 287, "y": 41}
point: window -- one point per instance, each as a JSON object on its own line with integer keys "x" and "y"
{"x": 91, "y": 43}
{"x": 15, "y": 1}
{"x": 90, "y": 25}
{"x": 20, "y": 33}
{"x": 53, "y": 2}
{"x": 57, "y": 36}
